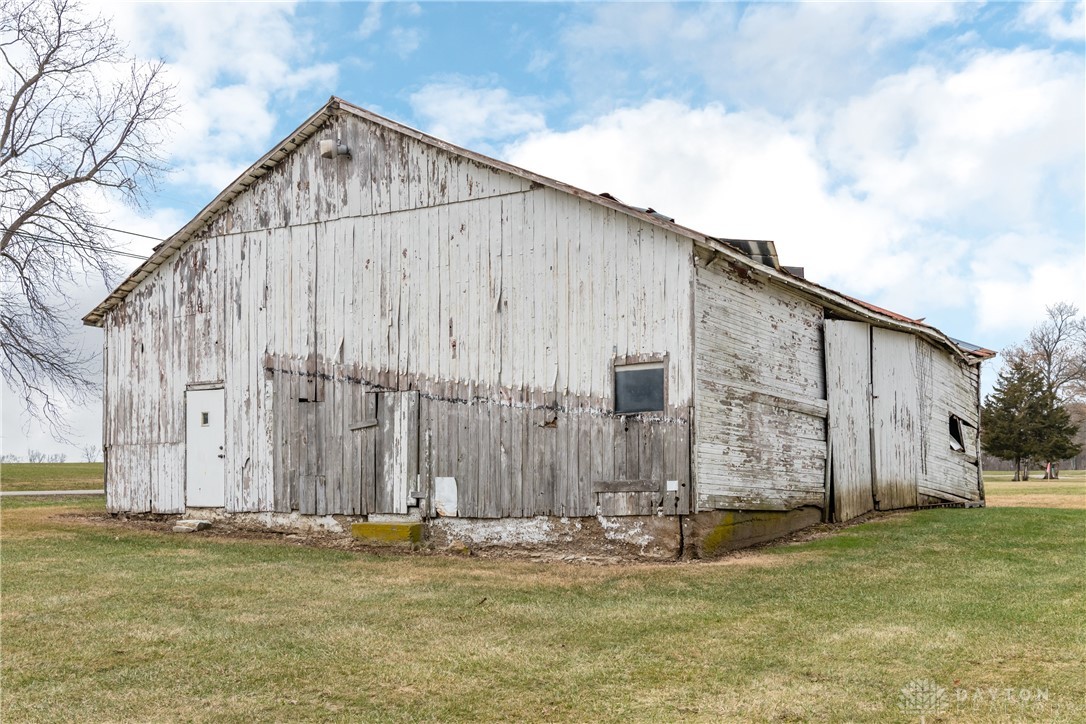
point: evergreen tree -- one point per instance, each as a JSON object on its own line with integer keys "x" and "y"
{"x": 1057, "y": 437}
{"x": 1021, "y": 420}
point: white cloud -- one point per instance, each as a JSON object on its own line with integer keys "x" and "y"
{"x": 988, "y": 140}
{"x": 540, "y": 61}
{"x": 462, "y": 112}
{"x": 1013, "y": 296}
{"x": 234, "y": 65}
{"x": 741, "y": 175}
{"x": 404, "y": 41}
{"x": 776, "y": 55}
{"x": 910, "y": 195}
{"x": 371, "y": 21}
{"x": 401, "y": 40}
{"x": 1060, "y": 21}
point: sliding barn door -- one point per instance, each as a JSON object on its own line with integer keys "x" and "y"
{"x": 848, "y": 394}
{"x": 895, "y": 408}
{"x": 873, "y": 391}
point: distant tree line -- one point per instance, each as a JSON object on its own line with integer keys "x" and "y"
{"x": 1034, "y": 415}
{"x": 89, "y": 453}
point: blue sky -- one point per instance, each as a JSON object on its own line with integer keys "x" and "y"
{"x": 926, "y": 157}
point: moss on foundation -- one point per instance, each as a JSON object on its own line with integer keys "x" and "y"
{"x": 717, "y": 532}
{"x": 410, "y": 533}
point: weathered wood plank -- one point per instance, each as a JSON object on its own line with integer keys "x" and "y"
{"x": 848, "y": 389}
{"x": 896, "y": 417}
{"x": 627, "y": 486}
{"x": 368, "y": 450}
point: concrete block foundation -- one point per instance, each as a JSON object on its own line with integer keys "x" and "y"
{"x": 715, "y": 532}
{"x": 707, "y": 534}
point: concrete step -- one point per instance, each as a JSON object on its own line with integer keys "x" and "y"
{"x": 190, "y": 526}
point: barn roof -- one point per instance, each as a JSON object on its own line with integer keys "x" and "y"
{"x": 757, "y": 258}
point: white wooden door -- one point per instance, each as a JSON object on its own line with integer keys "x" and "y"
{"x": 848, "y": 393}
{"x": 895, "y": 411}
{"x": 205, "y": 439}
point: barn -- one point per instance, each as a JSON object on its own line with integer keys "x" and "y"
{"x": 374, "y": 329}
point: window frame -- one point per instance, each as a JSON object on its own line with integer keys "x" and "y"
{"x": 958, "y": 442}
{"x": 639, "y": 361}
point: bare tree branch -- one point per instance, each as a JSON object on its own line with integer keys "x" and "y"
{"x": 1057, "y": 349}
{"x": 77, "y": 117}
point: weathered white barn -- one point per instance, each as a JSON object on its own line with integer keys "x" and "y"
{"x": 371, "y": 322}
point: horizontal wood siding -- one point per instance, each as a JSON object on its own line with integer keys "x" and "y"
{"x": 407, "y": 268}
{"x": 760, "y": 396}
{"x": 950, "y": 388}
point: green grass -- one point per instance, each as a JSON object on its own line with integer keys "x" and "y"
{"x": 50, "y": 476}
{"x": 107, "y": 622}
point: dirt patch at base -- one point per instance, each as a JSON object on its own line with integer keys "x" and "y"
{"x": 1073, "y": 502}
{"x": 754, "y": 556}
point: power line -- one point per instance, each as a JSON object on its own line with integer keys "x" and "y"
{"x": 122, "y": 231}
{"x": 74, "y": 245}
{"x": 107, "y": 228}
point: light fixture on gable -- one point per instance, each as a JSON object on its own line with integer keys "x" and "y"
{"x": 331, "y": 149}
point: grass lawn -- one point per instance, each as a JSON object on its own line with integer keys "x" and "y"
{"x": 1035, "y": 476}
{"x": 1067, "y": 492}
{"x": 108, "y": 622}
{"x": 50, "y": 476}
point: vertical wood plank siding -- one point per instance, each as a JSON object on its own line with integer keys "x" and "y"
{"x": 759, "y": 394}
{"x": 892, "y": 439}
{"x": 503, "y": 304}
{"x": 848, "y": 392}
{"x": 896, "y": 414}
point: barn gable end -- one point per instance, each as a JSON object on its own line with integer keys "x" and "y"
{"x": 415, "y": 330}
{"x": 503, "y": 304}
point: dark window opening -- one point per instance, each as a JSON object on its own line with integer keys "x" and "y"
{"x": 205, "y": 419}
{"x": 957, "y": 437}
{"x": 639, "y": 388}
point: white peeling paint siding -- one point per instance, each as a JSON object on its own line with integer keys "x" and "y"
{"x": 167, "y": 332}
{"x": 897, "y": 417}
{"x": 848, "y": 392}
{"x": 760, "y": 396}
{"x": 891, "y": 396}
{"x": 503, "y": 303}
{"x": 950, "y": 389}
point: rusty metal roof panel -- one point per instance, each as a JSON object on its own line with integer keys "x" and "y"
{"x": 974, "y": 349}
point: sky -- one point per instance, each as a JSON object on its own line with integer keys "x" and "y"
{"x": 926, "y": 157}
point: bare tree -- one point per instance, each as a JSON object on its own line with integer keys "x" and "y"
{"x": 90, "y": 453}
{"x": 35, "y": 456}
{"x": 9, "y": 458}
{"x": 79, "y": 117}
{"x": 1056, "y": 349}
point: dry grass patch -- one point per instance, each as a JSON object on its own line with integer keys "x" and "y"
{"x": 1037, "y": 500}
{"x": 109, "y": 623}
{"x": 1067, "y": 492}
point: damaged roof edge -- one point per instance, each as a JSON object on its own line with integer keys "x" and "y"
{"x": 828, "y": 297}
